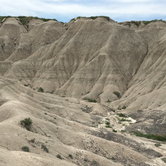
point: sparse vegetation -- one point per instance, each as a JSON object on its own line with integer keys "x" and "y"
{"x": 40, "y": 89}
{"x": 44, "y": 148}
{"x": 151, "y": 136}
{"x": 27, "y": 122}
{"x": 117, "y": 94}
{"x": 123, "y": 131}
{"x": 86, "y": 109}
{"x": 90, "y": 100}
{"x": 2, "y": 17}
{"x": 92, "y": 17}
{"x": 25, "y": 148}
{"x": 148, "y": 22}
{"x": 25, "y": 20}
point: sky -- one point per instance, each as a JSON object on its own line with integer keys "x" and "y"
{"x": 65, "y": 10}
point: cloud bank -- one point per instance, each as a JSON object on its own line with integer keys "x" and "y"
{"x": 64, "y": 10}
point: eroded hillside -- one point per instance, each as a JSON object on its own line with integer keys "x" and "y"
{"x": 120, "y": 67}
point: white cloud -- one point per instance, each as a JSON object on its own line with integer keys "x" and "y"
{"x": 64, "y": 7}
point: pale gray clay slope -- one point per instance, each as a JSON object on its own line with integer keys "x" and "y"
{"x": 117, "y": 65}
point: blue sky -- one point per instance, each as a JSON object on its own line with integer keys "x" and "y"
{"x": 65, "y": 10}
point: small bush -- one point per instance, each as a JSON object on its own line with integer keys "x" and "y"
{"x": 70, "y": 155}
{"x": 44, "y": 148}
{"x": 123, "y": 131}
{"x": 107, "y": 123}
{"x": 108, "y": 101}
{"x": 59, "y": 156}
{"x": 26, "y": 123}
{"x": 114, "y": 130}
{"x": 117, "y": 94}
{"x": 108, "y": 126}
{"x": 25, "y": 148}
{"x": 40, "y": 90}
{"x": 32, "y": 140}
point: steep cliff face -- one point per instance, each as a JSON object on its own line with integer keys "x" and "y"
{"x": 87, "y": 58}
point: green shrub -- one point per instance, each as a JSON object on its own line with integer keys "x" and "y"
{"x": 40, "y": 89}
{"x": 114, "y": 130}
{"x": 117, "y": 94}
{"x": 107, "y": 123}
{"x": 123, "y": 131}
{"x": 25, "y": 148}
{"x": 27, "y": 122}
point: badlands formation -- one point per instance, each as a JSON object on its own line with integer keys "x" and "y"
{"x": 87, "y": 87}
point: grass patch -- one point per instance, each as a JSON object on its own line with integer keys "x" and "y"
{"x": 151, "y": 136}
